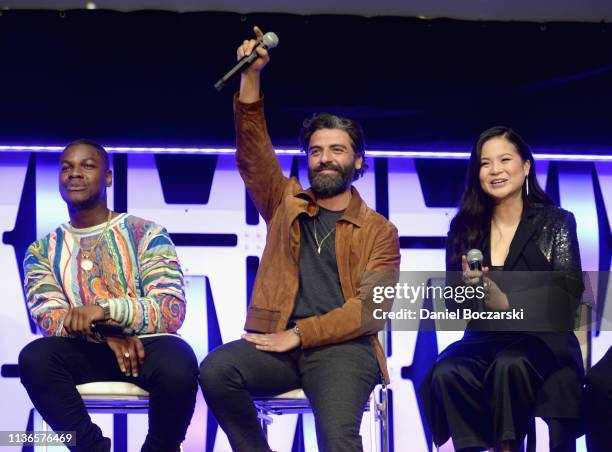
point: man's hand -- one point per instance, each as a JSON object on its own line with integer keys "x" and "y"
{"x": 79, "y": 320}
{"x": 275, "y": 342}
{"x": 247, "y": 48}
{"x": 250, "y": 78}
{"x": 129, "y": 352}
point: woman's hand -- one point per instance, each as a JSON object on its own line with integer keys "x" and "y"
{"x": 495, "y": 299}
{"x": 471, "y": 277}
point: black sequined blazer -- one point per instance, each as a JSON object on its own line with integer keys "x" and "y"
{"x": 546, "y": 240}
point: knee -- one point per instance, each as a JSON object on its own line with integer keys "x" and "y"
{"x": 34, "y": 358}
{"x": 445, "y": 373}
{"x": 598, "y": 384}
{"x": 179, "y": 368}
{"x": 511, "y": 364}
{"x": 216, "y": 372}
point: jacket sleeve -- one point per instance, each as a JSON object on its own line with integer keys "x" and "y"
{"x": 355, "y": 318}
{"x": 256, "y": 159}
{"x": 161, "y": 309}
{"x": 566, "y": 255}
{"x": 46, "y": 300}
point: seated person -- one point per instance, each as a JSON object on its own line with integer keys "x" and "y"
{"x": 484, "y": 389}
{"x": 308, "y": 319}
{"x": 106, "y": 266}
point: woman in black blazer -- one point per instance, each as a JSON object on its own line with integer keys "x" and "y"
{"x": 484, "y": 390}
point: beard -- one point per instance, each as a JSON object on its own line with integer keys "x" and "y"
{"x": 330, "y": 184}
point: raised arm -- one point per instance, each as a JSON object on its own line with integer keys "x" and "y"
{"x": 255, "y": 154}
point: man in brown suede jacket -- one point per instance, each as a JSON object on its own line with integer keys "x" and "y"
{"x": 309, "y": 323}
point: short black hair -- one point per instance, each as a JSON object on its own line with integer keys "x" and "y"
{"x": 98, "y": 147}
{"x": 324, "y": 120}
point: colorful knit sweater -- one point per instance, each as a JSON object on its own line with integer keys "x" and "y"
{"x": 135, "y": 268}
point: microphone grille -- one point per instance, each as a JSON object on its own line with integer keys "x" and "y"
{"x": 474, "y": 255}
{"x": 270, "y": 40}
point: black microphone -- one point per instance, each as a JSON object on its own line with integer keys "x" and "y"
{"x": 475, "y": 258}
{"x": 269, "y": 41}
{"x": 110, "y": 329}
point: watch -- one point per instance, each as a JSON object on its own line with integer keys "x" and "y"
{"x": 297, "y": 331}
{"x": 105, "y": 305}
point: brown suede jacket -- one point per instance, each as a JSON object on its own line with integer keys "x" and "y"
{"x": 366, "y": 242}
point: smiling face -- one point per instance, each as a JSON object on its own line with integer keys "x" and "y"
{"x": 84, "y": 176}
{"x": 502, "y": 170}
{"x": 331, "y": 162}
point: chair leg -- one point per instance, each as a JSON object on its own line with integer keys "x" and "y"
{"x": 531, "y": 436}
{"x": 373, "y": 416}
{"x": 39, "y": 424}
{"x": 378, "y": 414}
{"x": 384, "y": 416}
{"x": 120, "y": 432}
{"x": 265, "y": 420}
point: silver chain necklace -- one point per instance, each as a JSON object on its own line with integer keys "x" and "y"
{"x": 320, "y": 244}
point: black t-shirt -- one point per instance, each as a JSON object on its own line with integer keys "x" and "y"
{"x": 319, "y": 290}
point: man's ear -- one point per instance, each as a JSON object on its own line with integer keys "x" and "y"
{"x": 358, "y": 162}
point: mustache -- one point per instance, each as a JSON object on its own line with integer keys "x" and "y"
{"x": 327, "y": 166}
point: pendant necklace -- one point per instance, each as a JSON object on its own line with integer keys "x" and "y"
{"x": 320, "y": 244}
{"x": 86, "y": 261}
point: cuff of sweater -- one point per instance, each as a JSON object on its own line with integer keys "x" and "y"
{"x": 120, "y": 311}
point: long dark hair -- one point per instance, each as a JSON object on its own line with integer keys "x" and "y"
{"x": 471, "y": 224}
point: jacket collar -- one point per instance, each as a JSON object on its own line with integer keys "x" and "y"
{"x": 352, "y": 214}
{"x": 525, "y": 230}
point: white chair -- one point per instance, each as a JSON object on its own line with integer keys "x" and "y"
{"x": 109, "y": 397}
{"x": 296, "y": 402}
{"x": 116, "y": 397}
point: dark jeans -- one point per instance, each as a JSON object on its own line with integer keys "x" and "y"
{"x": 337, "y": 380}
{"x": 598, "y": 405}
{"x": 51, "y": 367}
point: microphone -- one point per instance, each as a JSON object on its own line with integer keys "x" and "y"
{"x": 269, "y": 41}
{"x": 109, "y": 329}
{"x": 475, "y": 258}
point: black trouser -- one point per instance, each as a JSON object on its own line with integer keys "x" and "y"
{"x": 51, "y": 368}
{"x": 337, "y": 379}
{"x": 598, "y": 405}
{"x": 484, "y": 391}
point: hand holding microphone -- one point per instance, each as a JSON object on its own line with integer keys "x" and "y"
{"x": 252, "y": 57}
{"x": 472, "y": 267}
{"x": 473, "y": 274}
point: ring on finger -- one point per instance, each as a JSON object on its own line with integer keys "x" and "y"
{"x": 126, "y": 355}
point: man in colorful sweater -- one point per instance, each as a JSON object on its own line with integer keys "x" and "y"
{"x": 106, "y": 266}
